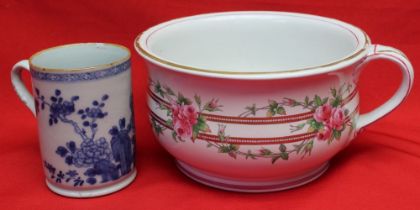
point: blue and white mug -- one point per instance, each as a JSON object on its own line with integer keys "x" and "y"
{"x": 83, "y": 103}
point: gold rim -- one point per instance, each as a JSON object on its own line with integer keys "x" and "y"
{"x": 169, "y": 63}
{"x": 84, "y": 69}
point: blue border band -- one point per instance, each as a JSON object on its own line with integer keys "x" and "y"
{"x": 83, "y": 76}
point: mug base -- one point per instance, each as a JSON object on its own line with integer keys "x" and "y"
{"x": 252, "y": 186}
{"x": 94, "y": 192}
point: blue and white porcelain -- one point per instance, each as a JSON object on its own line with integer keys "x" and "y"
{"x": 82, "y": 99}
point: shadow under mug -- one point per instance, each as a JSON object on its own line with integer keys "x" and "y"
{"x": 83, "y": 104}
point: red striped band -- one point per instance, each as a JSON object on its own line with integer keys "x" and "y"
{"x": 252, "y": 120}
{"x": 250, "y": 140}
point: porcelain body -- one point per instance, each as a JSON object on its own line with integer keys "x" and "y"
{"x": 259, "y": 101}
{"x": 83, "y": 105}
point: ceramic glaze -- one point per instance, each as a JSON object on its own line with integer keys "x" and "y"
{"x": 259, "y": 101}
{"x": 83, "y": 104}
{"x": 251, "y": 42}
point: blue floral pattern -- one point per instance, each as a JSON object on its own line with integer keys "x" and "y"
{"x": 69, "y": 176}
{"x": 102, "y": 160}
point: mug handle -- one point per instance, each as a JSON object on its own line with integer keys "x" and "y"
{"x": 21, "y": 90}
{"x": 396, "y": 56}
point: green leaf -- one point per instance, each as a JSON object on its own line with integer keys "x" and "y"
{"x": 169, "y": 91}
{"x": 336, "y": 102}
{"x": 310, "y": 120}
{"x": 250, "y": 155}
{"x": 168, "y": 112}
{"x": 309, "y": 146}
{"x": 197, "y": 100}
{"x": 318, "y": 101}
{"x": 180, "y": 98}
{"x": 174, "y": 135}
{"x": 188, "y": 101}
{"x": 333, "y": 92}
{"x": 201, "y": 125}
{"x": 224, "y": 149}
{"x": 274, "y": 159}
{"x": 315, "y": 125}
{"x": 216, "y": 109}
{"x": 306, "y": 101}
{"x": 228, "y": 148}
{"x": 252, "y": 109}
{"x": 270, "y": 113}
{"x": 302, "y": 125}
{"x": 169, "y": 122}
{"x": 195, "y": 134}
{"x": 284, "y": 155}
{"x": 158, "y": 130}
{"x": 282, "y": 148}
{"x": 221, "y": 137}
{"x": 298, "y": 127}
{"x": 337, "y": 134}
{"x": 183, "y": 100}
{"x": 298, "y": 147}
{"x": 281, "y": 110}
{"x": 163, "y": 107}
{"x": 197, "y": 128}
{"x": 234, "y": 147}
{"x": 158, "y": 89}
{"x": 201, "y": 119}
{"x": 273, "y": 104}
{"x": 265, "y": 152}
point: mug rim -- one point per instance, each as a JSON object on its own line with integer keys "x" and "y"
{"x": 39, "y": 68}
{"x": 357, "y": 54}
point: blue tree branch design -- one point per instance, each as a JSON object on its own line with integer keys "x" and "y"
{"x": 76, "y": 127}
{"x": 109, "y": 161}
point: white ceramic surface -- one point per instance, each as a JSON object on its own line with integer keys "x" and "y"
{"x": 83, "y": 104}
{"x": 253, "y": 98}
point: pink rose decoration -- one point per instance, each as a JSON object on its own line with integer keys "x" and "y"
{"x": 337, "y": 118}
{"x": 288, "y": 102}
{"x": 183, "y": 129}
{"x": 324, "y": 134}
{"x": 323, "y": 113}
{"x": 184, "y": 117}
{"x": 214, "y": 103}
{"x": 222, "y": 128}
{"x": 190, "y": 114}
{"x": 175, "y": 110}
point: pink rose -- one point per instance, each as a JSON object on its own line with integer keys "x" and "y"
{"x": 214, "y": 103}
{"x": 222, "y": 128}
{"x": 323, "y": 113}
{"x": 183, "y": 129}
{"x": 337, "y": 118}
{"x": 324, "y": 133}
{"x": 175, "y": 108}
{"x": 190, "y": 114}
{"x": 184, "y": 117}
{"x": 288, "y": 102}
